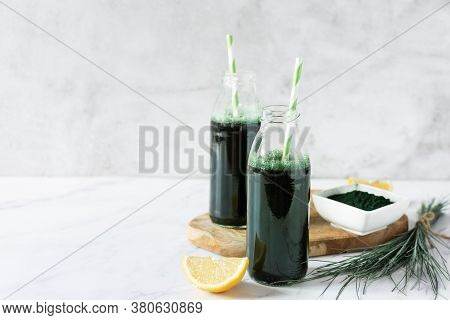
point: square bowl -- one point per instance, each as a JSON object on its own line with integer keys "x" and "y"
{"x": 355, "y": 220}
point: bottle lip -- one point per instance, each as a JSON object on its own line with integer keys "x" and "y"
{"x": 278, "y": 114}
{"x": 241, "y": 76}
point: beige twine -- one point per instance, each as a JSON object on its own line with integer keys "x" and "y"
{"x": 426, "y": 220}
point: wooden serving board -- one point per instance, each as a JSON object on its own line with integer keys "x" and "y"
{"x": 323, "y": 238}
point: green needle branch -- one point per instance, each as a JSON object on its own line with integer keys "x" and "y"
{"x": 413, "y": 254}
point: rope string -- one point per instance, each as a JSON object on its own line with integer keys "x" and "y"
{"x": 426, "y": 220}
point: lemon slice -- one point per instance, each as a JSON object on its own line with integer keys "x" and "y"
{"x": 214, "y": 275}
{"x": 381, "y": 184}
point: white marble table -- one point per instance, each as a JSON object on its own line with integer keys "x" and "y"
{"x": 43, "y": 220}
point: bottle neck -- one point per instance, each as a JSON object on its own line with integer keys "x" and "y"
{"x": 279, "y": 115}
{"x": 277, "y": 137}
{"x": 240, "y": 89}
{"x": 242, "y": 79}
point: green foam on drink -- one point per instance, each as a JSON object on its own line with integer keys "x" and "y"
{"x": 273, "y": 161}
{"x": 240, "y": 119}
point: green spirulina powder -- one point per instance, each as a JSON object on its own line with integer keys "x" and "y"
{"x": 361, "y": 200}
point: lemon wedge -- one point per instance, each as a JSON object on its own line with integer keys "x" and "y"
{"x": 214, "y": 275}
{"x": 381, "y": 184}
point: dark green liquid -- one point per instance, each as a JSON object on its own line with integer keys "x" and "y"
{"x": 277, "y": 226}
{"x": 230, "y": 146}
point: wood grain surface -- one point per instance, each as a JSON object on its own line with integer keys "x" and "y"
{"x": 323, "y": 238}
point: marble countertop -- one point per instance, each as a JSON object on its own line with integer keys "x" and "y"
{"x": 123, "y": 238}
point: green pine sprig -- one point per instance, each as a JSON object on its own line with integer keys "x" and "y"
{"x": 413, "y": 254}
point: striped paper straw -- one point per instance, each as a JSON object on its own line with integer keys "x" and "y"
{"x": 295, "y": 85}
{"x": 232, "y": 68}
{"x": 293, "y": 103}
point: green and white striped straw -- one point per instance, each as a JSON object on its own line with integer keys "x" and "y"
{"x": 295, "y": 85}
{"x": 293, "y": 103}
{"x": 232, "y": 68}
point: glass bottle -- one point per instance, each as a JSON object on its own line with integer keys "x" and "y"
{"x": 232, "y": 133}
{"x": 278, "y": 202}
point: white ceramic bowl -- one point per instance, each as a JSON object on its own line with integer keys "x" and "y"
{"x": 356, "y": 220}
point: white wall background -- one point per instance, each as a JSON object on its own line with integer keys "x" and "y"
{"x": 59, "y": 115}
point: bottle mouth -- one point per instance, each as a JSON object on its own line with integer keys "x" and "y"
{"x": 279, "y": 114}
{"x": 241, "y": 77}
